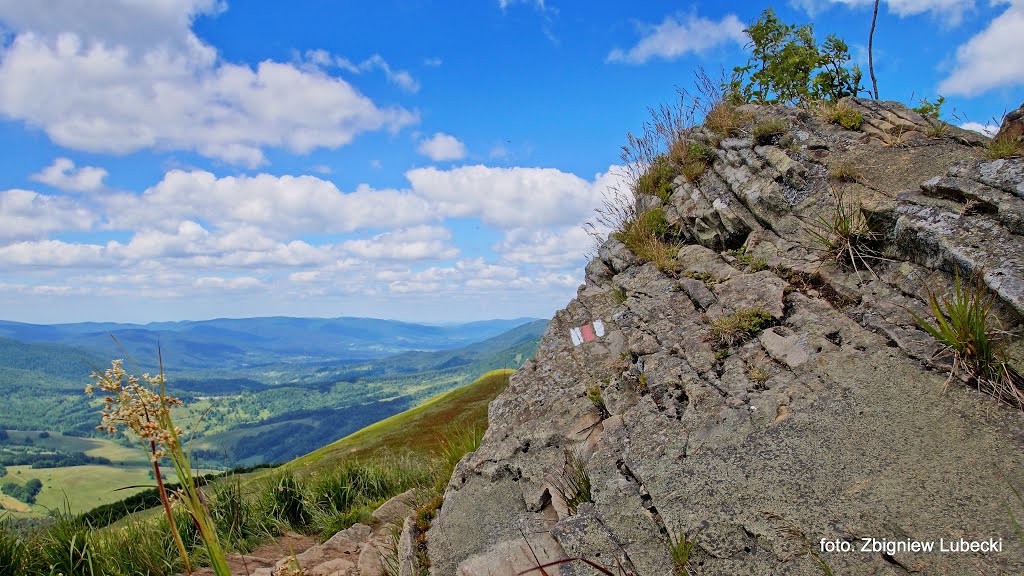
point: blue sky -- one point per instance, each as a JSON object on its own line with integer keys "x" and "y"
{"x": 186, "y": 159}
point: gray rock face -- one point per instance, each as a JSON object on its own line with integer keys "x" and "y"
{"x": 828, "y": 424}
{"x": 1012, "y": 127}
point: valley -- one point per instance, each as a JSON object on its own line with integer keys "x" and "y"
{"x": 243, "y": 412}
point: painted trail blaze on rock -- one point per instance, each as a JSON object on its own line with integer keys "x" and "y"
{"x": 587, "y": 332}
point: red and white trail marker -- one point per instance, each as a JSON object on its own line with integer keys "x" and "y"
{"x": 587, "y": 332}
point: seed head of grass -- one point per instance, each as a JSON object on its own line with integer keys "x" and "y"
{"x": 137, "y": 404}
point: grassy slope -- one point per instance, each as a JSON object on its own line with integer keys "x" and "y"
{"x": 419, "y": 429}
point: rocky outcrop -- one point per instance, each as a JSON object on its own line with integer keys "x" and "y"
{"x": 1012, "y": 127}
{"x": 829, "y": 423}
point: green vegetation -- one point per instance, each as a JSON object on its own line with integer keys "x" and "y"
{"x": 657, "y": 180}
{"x": 25, "y": 492}
{"x": 759, "y": 373}
{"x": 251, "y": 415}
{"x": 1003, "y": 147}
{"x": 573, "y": 483}
{"x": 320, "y": 493}
{"x": 691, "y": 159}
{"x": 141, "y": 405}
{"x": 936, "y": 129}
{"x": 680, "y": 547}
{"x": 731, "y": 329}
{"x": 964, "y": 324}
{"x": 769, "y": 130}
{"x": 725, "y": 119}
{"x": 845, "y": 235}
{"x": 597, "y": 399}
{"x": 748, "y": 262}
{"x": 706, "y": 277}
{"x": 421, "y": 429}
{"x": 619, "y": 293}
{"x": 16, "y": 555}
{"x": 646, "y": 236}
{"x": 459, "y": 442}
{"x": 788, "y": 66}
{"x": 929, "y": 108}
{"x": 841, "y": 114}
{"x": 698, "y": 158}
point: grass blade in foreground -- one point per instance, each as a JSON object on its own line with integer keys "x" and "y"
{"x": 141, "y": 404}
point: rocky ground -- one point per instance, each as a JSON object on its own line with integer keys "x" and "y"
{"x": 381, "y": 548}
{"x": 829, "y": 423}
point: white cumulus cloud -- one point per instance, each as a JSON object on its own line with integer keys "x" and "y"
{"x": 986, "y": 129}
{"x": 512, "y": 197}
{"x": 278, "y": 205}
{"x": 26, "y": 214}
{"x": 417, "y": 243}
{"x": 93, "y": 83}
{"x": 678, "y": 35}
{"x": 561, "y": 247}
{"x": 441, "y": 147}
{"x": 63, "y": 174}
{"x": 992, "y": 58}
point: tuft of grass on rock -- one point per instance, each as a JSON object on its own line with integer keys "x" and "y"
{"x": 680, "y": 548}
{"x": 769, "y": 130}
{"x": 657, "y": 179}
{"x": 758, "y": 373}
{"x": 620, "y": 294}
{"x": 595, "y": 396}
{"x": 573, "y": 484}
{"x": 706, "y": 277}
{"x": 725, "y": 120}
{"x": 731, "y": 329}
{"x": 693, "y": 158}
{"x": 1003, "y": 147}
{"x": 845, "y": 236}
{"x": 749, "y": 262}
{"x": 844, "y": 172}
{"x": 646, "y": 236}
{"x": 936, "y": 129}
{"x": 841, "y": 114}
{"x": 963, "y": 322}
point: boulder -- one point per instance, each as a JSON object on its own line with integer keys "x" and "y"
{"x": 1012, "y": 127}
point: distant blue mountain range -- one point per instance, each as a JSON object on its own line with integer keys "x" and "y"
{"x": 227, "y": 343}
